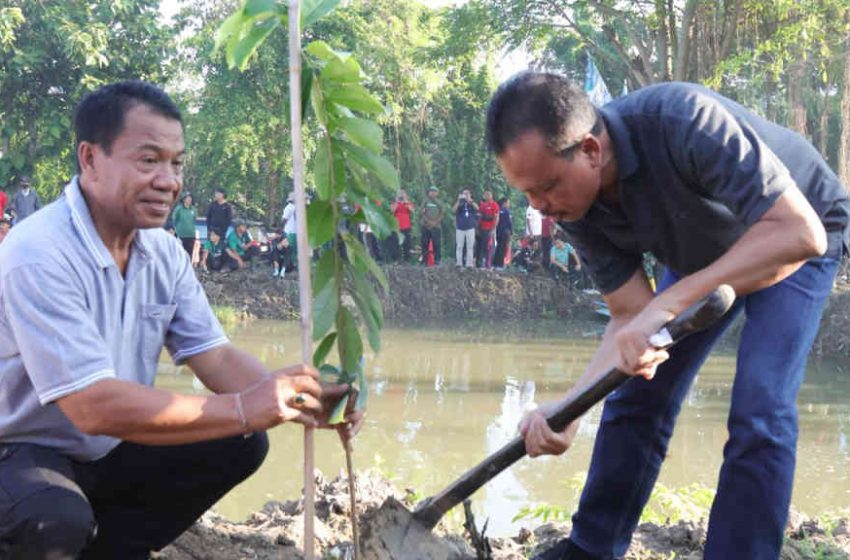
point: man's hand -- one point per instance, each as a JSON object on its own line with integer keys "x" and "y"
{"x": 291, "y": 394}
{"x": 636, "y": 355}
{"x": 539, "y": 437}
{"x": 353, "y": 419}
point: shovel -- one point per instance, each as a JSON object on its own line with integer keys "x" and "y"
{"x": 392, "y": 532}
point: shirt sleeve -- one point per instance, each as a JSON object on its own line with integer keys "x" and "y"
{"x": 194, "y": 328}
{"x": 609, "y": 266}
{"x": 60, "y": 345}
{"x": 724, "y": 159}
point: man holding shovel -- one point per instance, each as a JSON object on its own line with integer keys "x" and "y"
{"x": 720, "y": 196}
{"x": 95, "y": 462}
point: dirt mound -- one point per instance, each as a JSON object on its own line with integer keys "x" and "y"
{"x": 447, "y": 292}
{"x": 444, "y": 292}
{"x": 276, "y": 532}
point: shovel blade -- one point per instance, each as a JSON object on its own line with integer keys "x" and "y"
{"x": 392, "y": 532}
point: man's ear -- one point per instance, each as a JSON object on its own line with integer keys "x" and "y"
{"x": 86, "y": 157}
{"x": 591, "y": 146}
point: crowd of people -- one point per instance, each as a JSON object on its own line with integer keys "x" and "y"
{"x": 484, "y": 237}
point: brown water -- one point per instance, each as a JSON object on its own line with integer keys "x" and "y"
{"x": 443, "y": 398}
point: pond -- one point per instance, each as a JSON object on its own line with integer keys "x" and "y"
{"x": 444, "y": 397}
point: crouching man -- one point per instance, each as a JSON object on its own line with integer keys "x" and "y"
{"x": 94, "y": 461}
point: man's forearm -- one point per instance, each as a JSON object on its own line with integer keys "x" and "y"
{"x": 151, "y": 416}
{"x": 226, "y": 369}
{"x": 770, "y": 251}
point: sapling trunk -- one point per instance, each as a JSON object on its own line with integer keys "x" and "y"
{"x": 305, "y": 299}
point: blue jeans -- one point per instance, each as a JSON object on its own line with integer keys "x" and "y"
{"x": 754, "y": 489}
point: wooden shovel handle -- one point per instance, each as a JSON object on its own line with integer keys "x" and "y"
{"x": 699, "y": 316}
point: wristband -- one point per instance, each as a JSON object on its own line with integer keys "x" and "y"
{"x": 241, "y": 412}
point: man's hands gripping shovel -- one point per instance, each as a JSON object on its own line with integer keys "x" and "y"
{"x": 396, "y": 533}
{"x": 639, "y": 352}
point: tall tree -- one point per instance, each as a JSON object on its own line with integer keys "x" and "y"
{"x": 51, "y": 53}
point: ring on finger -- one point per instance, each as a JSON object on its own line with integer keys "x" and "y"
{"x": 299, "y": 399}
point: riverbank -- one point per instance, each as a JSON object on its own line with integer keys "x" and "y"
{"x": 276, "y": 532}
{"x": 419, "y": 294}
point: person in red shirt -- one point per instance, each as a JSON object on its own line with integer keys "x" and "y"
{"x": 3, "y": 200}
{"x": 488, "y": 219}
{"x": 403, "y": 209}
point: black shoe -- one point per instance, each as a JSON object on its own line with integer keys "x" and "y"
{"x": 564, "y": 550}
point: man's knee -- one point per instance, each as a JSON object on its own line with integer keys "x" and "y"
{"x": 54, "y": 523}
{"x": 252, "y": 452}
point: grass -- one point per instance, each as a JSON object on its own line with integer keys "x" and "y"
{"x": 229, "y": 316}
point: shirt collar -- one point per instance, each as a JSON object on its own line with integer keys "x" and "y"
{"x": 83, "y": 223}
{"x": 627, "y": 161}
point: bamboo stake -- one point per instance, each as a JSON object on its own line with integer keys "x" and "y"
{"x": 305, "y": 298}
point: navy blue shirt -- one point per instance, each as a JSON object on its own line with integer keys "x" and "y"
{"x": 465, "y": 217}
{"x": 696, "y": 170}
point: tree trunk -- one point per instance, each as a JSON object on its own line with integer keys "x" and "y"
{"x": 844, "y": 149}
{"x": 823, "y": 131}
{"x": 680, "y": 71}
{"x": 796, "y": 107}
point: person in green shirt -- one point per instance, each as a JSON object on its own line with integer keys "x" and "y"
{"x": 213, "y": 252}
{"x": 240, "y": 246}
{"x": 183, "y": 218}
{"x": 432, "y": 219}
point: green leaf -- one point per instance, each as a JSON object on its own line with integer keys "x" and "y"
{"x": 363, "y": 260}
{"x": 362, "y": 132}
{"x": 351, "y": 346}
{"x": 356, "y": 97}
{"x": 306, "y": 88}
{"x": 338, "y": 414}
{"x": 321, "y": 50}
{"x": 381, "y": 221}
{"x": 322, "y": 169}
{"x": 341, "y": 71}
{"x": 325, "y": 305}
{"x": 329, "y": 373}
{"x": 372, "y": 163}
{"x": 322, "y": 350}
{"x": 324, "y": 270}
{"x": 256, "y": 7}
{"x": 312, "y": 10}
{"x": 369, "y": 306}
{"x": 228, "y": 28}
{"x": 317, "y": 99}
{"x": 362, "y": 392}
{"x": 242, "y": 51}
{"x": 320, "y": 223}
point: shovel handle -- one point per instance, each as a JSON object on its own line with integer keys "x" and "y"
{"x": 699, "y": 316}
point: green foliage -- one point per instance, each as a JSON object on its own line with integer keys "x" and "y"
{"x": 666, "y": 505}
{"x": 52, "y": 52}
{"x": 347, "y": 165}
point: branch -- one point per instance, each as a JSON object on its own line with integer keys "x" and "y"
{"x": 643, "y": 50}
{"x": 624, "y": 57}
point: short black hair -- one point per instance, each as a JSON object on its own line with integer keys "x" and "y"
{"x": 222, "y": 190}
{"x": 503, "y": 200}
{"x": 99, "y": 117}
{"x": 545, "y": 102}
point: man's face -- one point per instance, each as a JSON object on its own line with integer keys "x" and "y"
{"x": 556, "y": 186}
{"x": 432, "y": 194}
{"x": 488, "y": 196}
{"x": 135, "y": 185}
{"x": 240, "y": 230}
{"x": 214, "y": 238}
{"x": 219, "y": 197}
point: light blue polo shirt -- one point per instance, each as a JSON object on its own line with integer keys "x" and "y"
{"x": 68, "y": 318}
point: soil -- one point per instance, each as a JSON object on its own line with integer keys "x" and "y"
{"x": 418, "y": 294}
{"x": 276, "y": 532}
